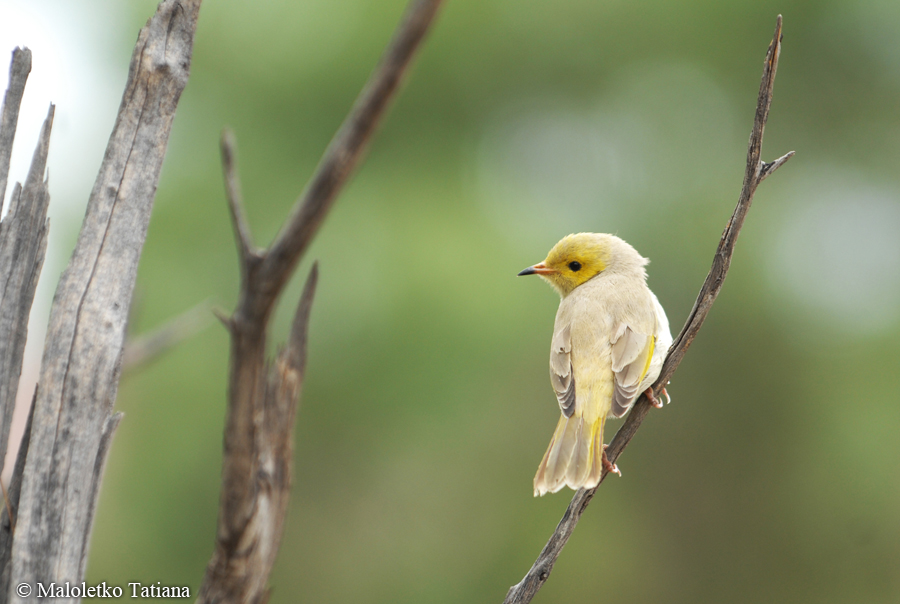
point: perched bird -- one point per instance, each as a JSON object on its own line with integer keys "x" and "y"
{"x": 609, "y": 342}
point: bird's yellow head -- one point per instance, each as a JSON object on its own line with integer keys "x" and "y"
{"x": 574, "y": 260}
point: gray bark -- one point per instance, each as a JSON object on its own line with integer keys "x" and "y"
{"x": 73, "y": 420}
{"x": 9, "y": 512}
{"x": 23, "y": 242}
{"x": 19, "y": 69}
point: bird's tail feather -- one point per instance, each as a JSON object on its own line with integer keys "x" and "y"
{"x": 574, "y": 456}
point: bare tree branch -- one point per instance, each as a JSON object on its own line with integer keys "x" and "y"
{"x": 244, "y": 239}
{"x": 756, "y": 171}
{"x": 73, "y": 420}
{"x": 344, "y": 152}
{"x": 147, "y": 347}
{"x": 240, "y": 571}
{"x": 256, "y": 472}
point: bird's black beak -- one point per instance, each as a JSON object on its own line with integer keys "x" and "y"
{"x": 537, "y": 269}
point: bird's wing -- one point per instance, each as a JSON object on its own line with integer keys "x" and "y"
{"x": 661, "y": 346}
{"x": 632, "y": 352}
{"x": 561, "y": 376}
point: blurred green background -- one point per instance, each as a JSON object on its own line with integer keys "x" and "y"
{"x": 775, "y": 474}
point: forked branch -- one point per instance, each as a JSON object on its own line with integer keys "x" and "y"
{"x": 755, "y": 173}
{"x": 262, "y": 398}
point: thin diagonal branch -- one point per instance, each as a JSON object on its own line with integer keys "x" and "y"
{"x": 755, "y": 172}
{"x": 256, "y": 463}
{"x": 345, "y": 150}
{"x": 145, "y": 348}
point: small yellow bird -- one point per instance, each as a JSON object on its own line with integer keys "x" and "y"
{"x": 609, "y": 343}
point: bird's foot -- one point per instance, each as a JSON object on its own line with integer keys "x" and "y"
{"x": 655, "y": 401}
{"x": 608, "y": 465}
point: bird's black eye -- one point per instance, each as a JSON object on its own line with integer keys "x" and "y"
{"x": 575, "y": 266}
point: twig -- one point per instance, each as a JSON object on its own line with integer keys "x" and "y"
{"x": 145, "y": 348}
{"x": 242, "y": 234}
{"x": 756, "y": 171}
{"x": 256, "y": 463}
{"x": 73, "y": 420}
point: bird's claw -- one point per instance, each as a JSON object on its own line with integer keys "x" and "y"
{"x": 608, "y": 465}
{"x": 655, "y": 401}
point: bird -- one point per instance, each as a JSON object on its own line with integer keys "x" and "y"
{"x": 609, "y": 342}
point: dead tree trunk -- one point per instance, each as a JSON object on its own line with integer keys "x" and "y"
{"x": 57, "y": 479}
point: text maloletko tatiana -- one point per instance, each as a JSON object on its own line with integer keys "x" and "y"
{"x": 102, "y": 590}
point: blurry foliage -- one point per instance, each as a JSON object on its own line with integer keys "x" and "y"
{"x": 774, "y": 475}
